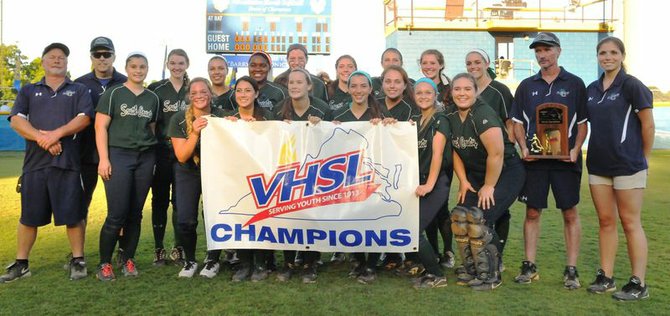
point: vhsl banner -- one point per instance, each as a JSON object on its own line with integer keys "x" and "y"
{"x": 296, "y": 186}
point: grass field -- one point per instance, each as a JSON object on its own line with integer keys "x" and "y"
{"x": 158, "y": 290}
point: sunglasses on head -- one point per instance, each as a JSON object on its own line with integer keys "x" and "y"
{"x": 102, "y": 54}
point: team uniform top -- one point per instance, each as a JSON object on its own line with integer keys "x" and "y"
{"x": 48, "y": 110}
{"x": 339, "y": 99}
{"x": 615, "y": 146}
{"x": 377, "y": 89}
{"x": 438, "y": 123}
{"x": 319, "y": 90}
{"x": 317, "y": 107}
{"x": 270, "y": 95}
{"x": 171, "y": 102}
{"x": 402, "y": 111}
{"x": 566, "y": 89}
{"x": 265, "y": 114}
{"x": 131, "y": 115}
{"x": 177, "y": 129}
{"x": 345, "y": 114}
{"x": 96, "y": 87}
{"x": 225, "y": 101}
{"x": 465, "y": 136}
{"x": 498, "y": 97}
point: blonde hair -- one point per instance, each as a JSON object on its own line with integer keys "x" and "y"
{"x": 189, "y": 115}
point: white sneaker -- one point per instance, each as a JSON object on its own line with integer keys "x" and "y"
{"x": 211, "y": 269}
{"x": 189, "y": 269}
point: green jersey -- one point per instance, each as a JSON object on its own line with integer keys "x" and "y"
{"x": 402, "y": 111}
{"x": 438, "y": 123}
{"x": 131, "y": 117}
{"x": 177, "y": 129}
{"x": 316, "y": 108}
{"x": 171, "y": 102}
{"x": 263, "y": 114}
{"x": 270, "y": 95}
{"x": 345, "y": 115}
{"x": 465, "y": 135}
{"x": 499, "y": 98}
{"x": 339, "y": 99}
{"x": 225, "y": 101}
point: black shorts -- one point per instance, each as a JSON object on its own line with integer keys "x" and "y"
{"x": 51, "y": 191}
{"x": 565, "y": 185}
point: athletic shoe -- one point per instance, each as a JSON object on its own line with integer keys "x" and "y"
{"x": 338, "y": 257}
{"x": 15, "y": 271}
{"x": 430, "y": 281}
{"x": 391, "y": 261}
{"x": 463, "y": 277}
{"x": 106, "y": 272}
{"x": 602, "y": 283}
{"x": 448, "y": 260}
{"x": 210, "y": 269}
{"x": 159, "y": 257}
{"x": 356, "y": 271}
{"x": 260, "y": 273}
{"x": 177, "y": 256}
{"x": 298, "y": 258}
{"x": 487, "y": 285}
{"x": 367, "y": 277}
{"x": 571, "y": 278}
{"x": 309, "y": 274}
{"x": 241, "y": 274}
{"x": 129, "y": 269}
{"x": 633, "y": 291}
{"x": 286, "y": 273}
{"x": 231, "y": 257}
{"x": 78, "y": 269}
{"x": 410, "y": 269}
{"x": 528, "y": 273}
{"x": 189, "y": 269}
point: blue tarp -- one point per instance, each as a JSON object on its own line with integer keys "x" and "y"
{"x": 9, "y": 139}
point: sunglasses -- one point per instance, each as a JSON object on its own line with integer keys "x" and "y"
{"x": 102, "y": 54}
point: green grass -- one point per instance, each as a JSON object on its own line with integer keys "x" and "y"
{"x": 158, "y": 291}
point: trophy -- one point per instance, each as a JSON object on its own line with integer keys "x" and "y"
{"x": 551, "y": 138}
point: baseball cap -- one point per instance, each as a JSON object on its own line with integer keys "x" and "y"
{"x": 545, "y": 38}
{"x": 60, "y": 46}
{"x": 102, "y": 42}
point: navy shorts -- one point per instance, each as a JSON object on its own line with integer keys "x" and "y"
{"x": 565, "y": 185}
{"x": 51, "y": 191}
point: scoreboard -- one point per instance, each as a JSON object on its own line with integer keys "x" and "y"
{"x": 245, "y": 26}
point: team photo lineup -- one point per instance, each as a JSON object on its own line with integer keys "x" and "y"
{"x": 474, "y": 136}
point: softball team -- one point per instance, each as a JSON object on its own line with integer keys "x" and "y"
{"x": 140, "y": 130}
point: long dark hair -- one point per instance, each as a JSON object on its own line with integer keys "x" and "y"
{"x": 287, "y": 104}
{"x": 408, "y": 93}
{"x": 333, "y": 84}
{"x": 393, "y": 50}
{"x": 257, "y": 107}
{"x": 375, "y": 108}
{"x": 619, "y": 44}
{"x": 446, "y": 97}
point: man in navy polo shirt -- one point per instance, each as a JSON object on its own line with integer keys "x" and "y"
{"x": 552, "y": 84}
{"x": 97, "y": 81}
{"x": 49, "y": 114}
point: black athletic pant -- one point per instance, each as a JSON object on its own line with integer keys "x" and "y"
{"x": 188, "y": 189}
{"x": 429, "y": 206}
{"x": 89, "y": 179}
{"x": 126, "y": 192}
{"x": 442, "y": 222}
{"x": 308, "y": 257}
{"x": 507, "y": 189}
{"x": 160, "y": 195}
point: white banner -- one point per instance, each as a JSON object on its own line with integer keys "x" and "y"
{"x": 274, "y": 185}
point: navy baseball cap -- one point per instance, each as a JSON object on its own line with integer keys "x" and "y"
{"x": 60, "y": 46}
{"x": 546, "y": 39}
{"x": 102, "y": 42}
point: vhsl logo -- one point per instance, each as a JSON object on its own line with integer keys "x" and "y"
{"x": 333, "y": 180}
